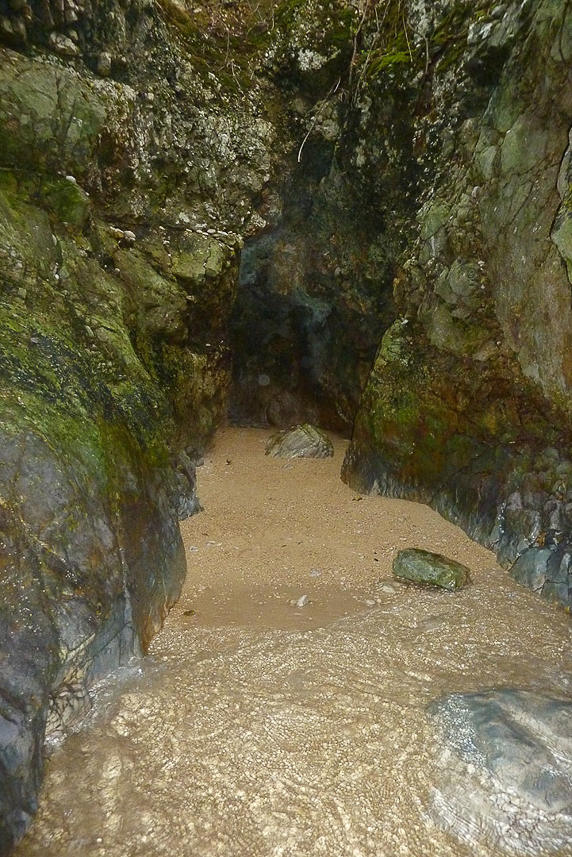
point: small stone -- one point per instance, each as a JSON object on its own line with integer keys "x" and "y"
{"x": 302, "y": 601}
{"x": 388, "y": 588}
{"x": 129, "y": 236}
{"x": 315, "y": 572}
{"x": 6, "y": 28}
{"x": 370, "y": 603}
{"x": 63, "y": 45}
{"x": 104, "y": 64}
{"x": 430, "y": 569}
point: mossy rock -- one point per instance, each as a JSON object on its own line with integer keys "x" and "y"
{"x": 425, "y": 568}
{"x": 67, "y": 200}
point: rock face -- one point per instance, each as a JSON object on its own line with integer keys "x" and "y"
{"x": 119, "y": 262}
{"x": 310, "y": 307}
{"x": 430, "y": 569}
{"x": 504, "y": 773}
{"x": 469, "y": 401}
{"x": 303, "y": 441}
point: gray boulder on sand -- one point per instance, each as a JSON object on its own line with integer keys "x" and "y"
{"x": 430, "y": 569}
{"x": 303, "y": 441}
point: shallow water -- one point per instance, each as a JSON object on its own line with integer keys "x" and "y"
{"x": 258, "y": 729}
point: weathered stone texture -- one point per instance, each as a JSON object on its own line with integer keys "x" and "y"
{"x": 469, "y": 401}
{"x": 119, "y": 256}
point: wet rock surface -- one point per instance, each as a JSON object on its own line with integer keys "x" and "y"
{"x": 83, "y": 591}
{"x": 303, "y": 441}
{"x": 506, "y": 768}
{"x": 425, "y": 568}
{"x": 468, "y": 404}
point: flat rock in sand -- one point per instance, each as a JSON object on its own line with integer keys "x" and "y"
{"x": 430, "y": 569}
{"x": 303, "y": 441}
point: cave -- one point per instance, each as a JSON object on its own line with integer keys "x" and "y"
{"x": 354, "y": 215}
{"x": 312, "y": 305}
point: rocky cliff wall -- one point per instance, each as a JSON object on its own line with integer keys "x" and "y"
{"x": 126, "y": 173}
{"x": 468, "y": 404}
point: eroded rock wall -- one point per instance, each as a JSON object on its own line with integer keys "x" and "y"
{"x": 127, "y": 173}
{"x": 468, "y": 404}
{"x": 314, "y": 292}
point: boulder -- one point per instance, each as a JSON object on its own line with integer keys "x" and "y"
{"x": 303, "y": 441}
{"x": 430, "y": 569}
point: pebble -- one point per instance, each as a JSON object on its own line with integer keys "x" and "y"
{"x": 302, "y": 601}
{"x": 315, "y": 572}
{"x": 389, "y": 588}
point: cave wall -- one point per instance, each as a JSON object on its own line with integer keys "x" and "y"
{"x": 127, "y": 173}
{"x": 314, "y": 298}
{"x": 468, "y": 404}
{"x": 315, "y": 287}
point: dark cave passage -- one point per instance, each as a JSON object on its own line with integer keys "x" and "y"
{"x": 314, "y": 299}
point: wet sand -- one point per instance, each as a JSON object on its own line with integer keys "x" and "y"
{"x": 258, "y": 728}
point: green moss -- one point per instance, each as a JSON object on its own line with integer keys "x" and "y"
{"x": 66, "y": 200}
{"x": 390, "y": 43}
{"x": 69, "y": 372}
{"x": 224, "y": 45}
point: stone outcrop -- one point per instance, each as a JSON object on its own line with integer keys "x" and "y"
{"x": 501, "y": 777}
{"x": 469, "y": 401}
{"x": 119, "y": 257}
